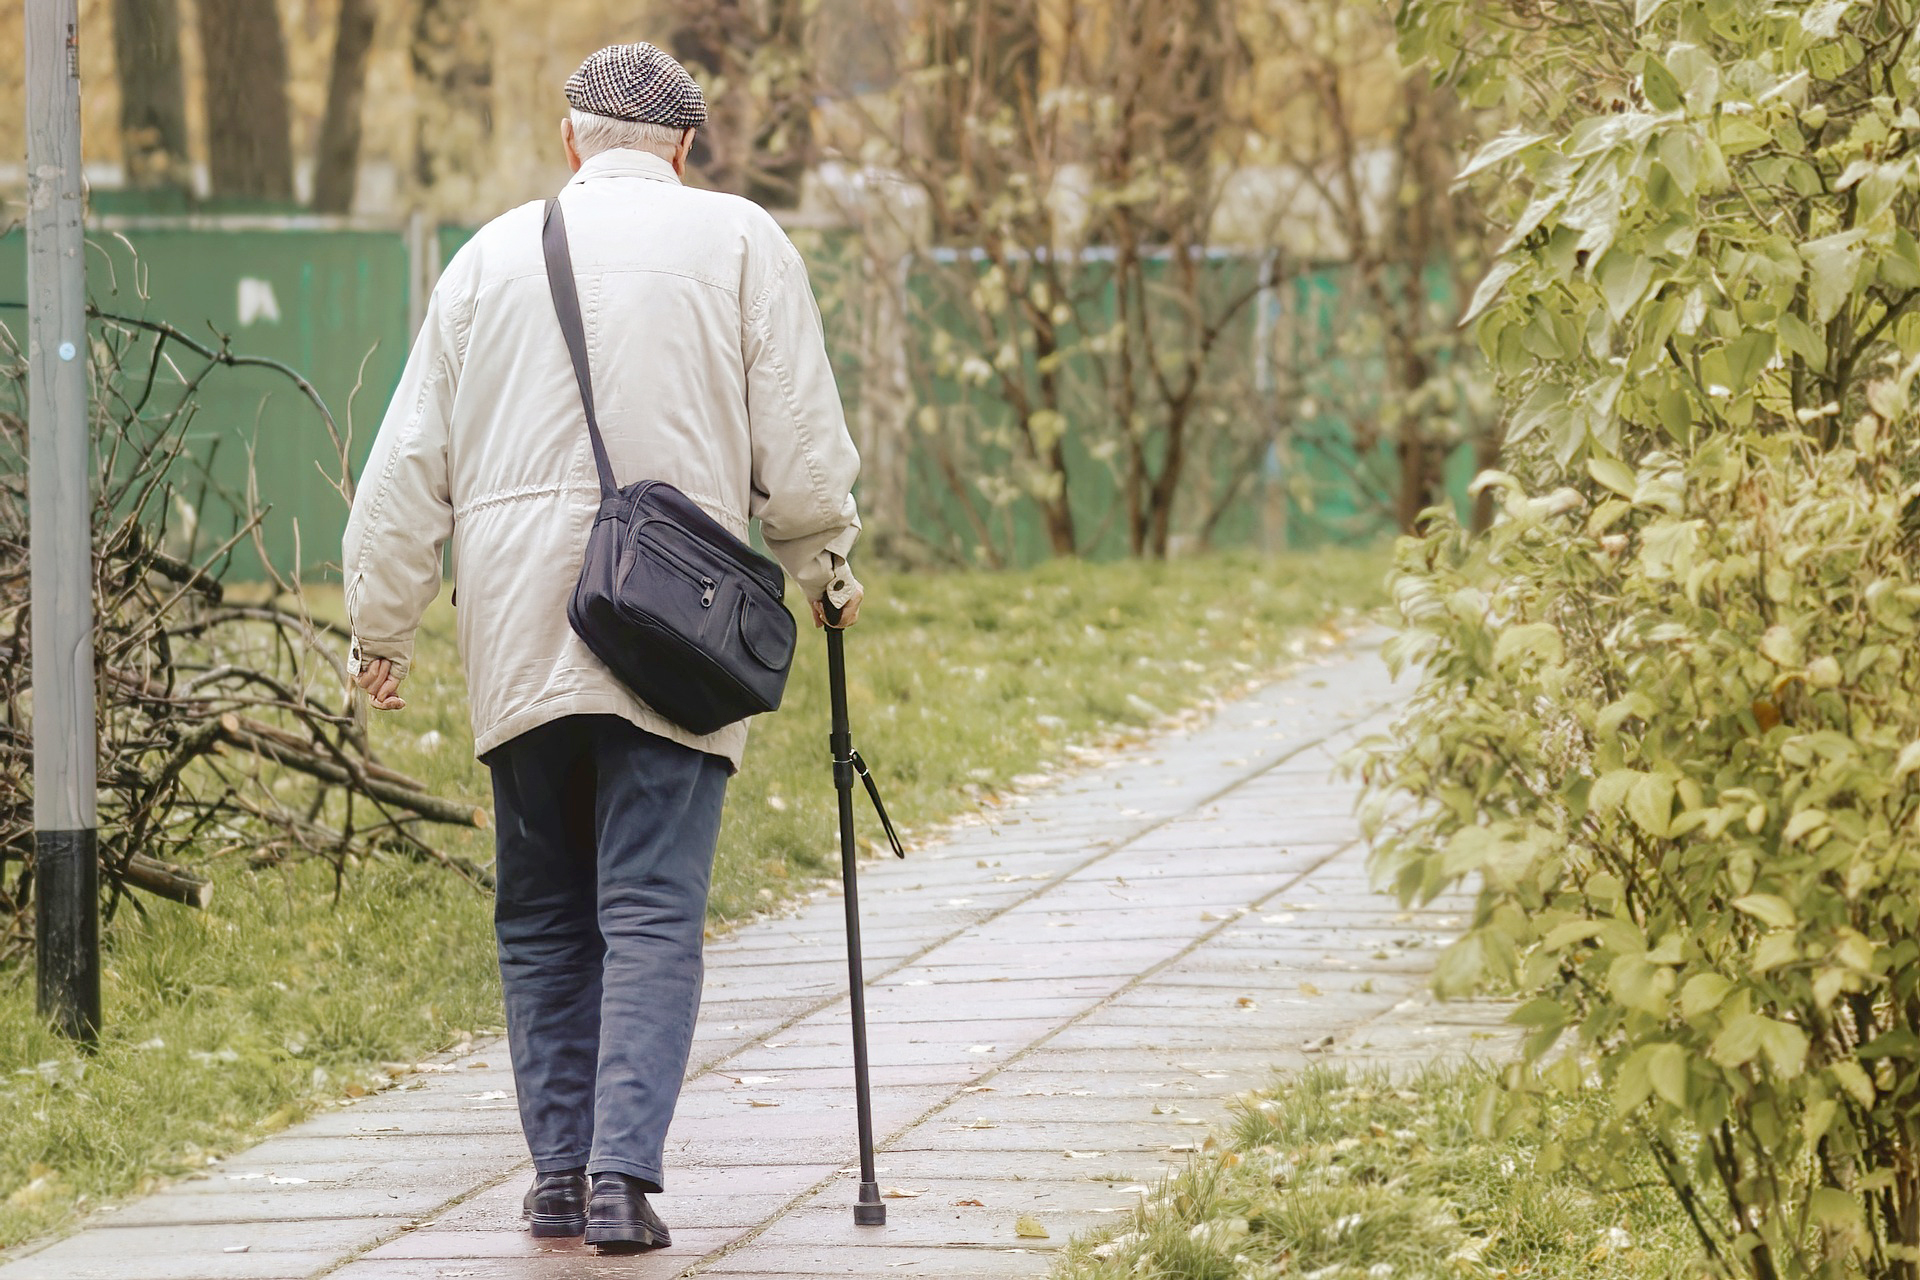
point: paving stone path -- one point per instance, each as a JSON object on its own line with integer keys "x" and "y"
{"x": 1062, "y": 999}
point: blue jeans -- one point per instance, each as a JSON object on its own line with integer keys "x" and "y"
{"x": 605, "y": 836}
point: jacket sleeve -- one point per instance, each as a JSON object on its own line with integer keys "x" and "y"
{"x": 402, "y": 509}
{"x": 804, "y": 462}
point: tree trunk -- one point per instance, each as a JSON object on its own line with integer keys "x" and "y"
{"x": 338, "y": 163}
{"x": 1425, "y": 178}
{"x": 713, "y": 38}
{"x": 1059, "y": 508}
{"x": 1166, "y": 488}
{"x": 452, "y": 56}
{"x": 249, "y": 147}
{"x": 783, "y": 140}
{"x": 153, "y": 103}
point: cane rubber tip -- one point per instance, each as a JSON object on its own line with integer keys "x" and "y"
{"x": 871, "y": 1211}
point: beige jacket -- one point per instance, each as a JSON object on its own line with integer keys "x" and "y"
{"x": 709, "y": 372}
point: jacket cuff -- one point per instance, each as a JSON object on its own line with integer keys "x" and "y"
{"x": 363, "y": 652}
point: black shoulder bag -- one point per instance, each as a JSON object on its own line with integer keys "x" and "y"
{"x": 686, "y": 615}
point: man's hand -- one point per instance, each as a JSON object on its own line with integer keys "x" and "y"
{"x": 381, "y": 684}
{"x": 849, "y": 612}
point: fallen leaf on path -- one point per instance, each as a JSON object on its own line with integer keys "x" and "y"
{"x": 1308, "y": 989}
{"x": 1028, "y": 1227}
{"x": 761, "y": 1102}
{"x": 970, "y": 1204}
{"x": 1247, "y": 1002}
{"x": 981, "y": 1123}
{"x": 902, "y": 1193}
{"x": 1165, "y": 1109}
{"x": 745, "y": 1080}
{"x": 978, "y": 1088}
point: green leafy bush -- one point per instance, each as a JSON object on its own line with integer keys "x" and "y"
{"x": 1675, "y": 733}
{"x": 1671, "y": 715}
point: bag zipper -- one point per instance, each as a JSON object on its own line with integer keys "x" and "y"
{"x": 709, "y": 589}
{"x": 756, "y": 566}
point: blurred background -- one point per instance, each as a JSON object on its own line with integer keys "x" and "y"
{"x": 1103, "y": 278}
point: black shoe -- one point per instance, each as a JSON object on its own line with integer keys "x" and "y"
{"x": 620, "y": 1220}
{"x": 556, "y": 1204}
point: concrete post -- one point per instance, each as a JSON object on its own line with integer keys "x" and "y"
{"x": 59, "y": 495}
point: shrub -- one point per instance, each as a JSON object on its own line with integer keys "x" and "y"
{"x": 1670, "y": 718}
{"x": 1675, "y": 734}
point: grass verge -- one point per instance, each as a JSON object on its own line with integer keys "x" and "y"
{"x": 1354, "y": 1177}
{"x": 225, "y": 1025}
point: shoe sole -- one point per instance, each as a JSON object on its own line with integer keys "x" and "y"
{"x": 552, "y": 1225}
{"x": 633, "y": 1239}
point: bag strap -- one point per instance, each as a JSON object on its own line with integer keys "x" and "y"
{"x": 566, "y": 305}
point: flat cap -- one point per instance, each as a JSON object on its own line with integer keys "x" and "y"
{"x": 637, "y": 82}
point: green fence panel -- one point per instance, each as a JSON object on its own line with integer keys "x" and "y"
{"x": 333, "y": 303}
{"x": 330, "y": 303}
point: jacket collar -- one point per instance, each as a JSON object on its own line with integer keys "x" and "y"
{"x": 622, "y": 163}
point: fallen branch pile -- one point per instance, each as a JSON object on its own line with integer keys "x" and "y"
{"x": 225, "y": 726}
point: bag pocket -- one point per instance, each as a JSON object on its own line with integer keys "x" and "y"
{"x": 768, "y": 635}
{"x": 662, "y": 585}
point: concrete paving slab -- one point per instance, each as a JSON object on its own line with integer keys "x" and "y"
{"x": 1065, "y": 992}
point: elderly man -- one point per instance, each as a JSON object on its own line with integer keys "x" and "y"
{"x": 709, "y": 371}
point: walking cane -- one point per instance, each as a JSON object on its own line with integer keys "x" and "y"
{"x": 869, "y": 1210}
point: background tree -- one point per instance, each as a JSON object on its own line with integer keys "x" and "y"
{"x": 1126, "y": 197}
{"x": 1375, "y": 145}
{"x": 249, "y": 144}
{"x": 153, "y": 103}
{"x": 337, "y": 162}
{"x": 450, "y": 50}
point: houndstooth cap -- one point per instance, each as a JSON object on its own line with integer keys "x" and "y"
{"x": 637, "y": 82}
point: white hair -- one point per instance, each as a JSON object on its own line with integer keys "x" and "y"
{"x": 593, "y": 134}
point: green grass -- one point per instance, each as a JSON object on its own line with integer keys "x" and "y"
{"x": 1339, "y": 1177}
{"x": 225, "y": 1025}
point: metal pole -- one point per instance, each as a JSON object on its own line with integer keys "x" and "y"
{"x": 66, "y": 867}
{"x": 869, "y": 1209}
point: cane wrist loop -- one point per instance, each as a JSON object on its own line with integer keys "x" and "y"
{"x": 873, "y": 793}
